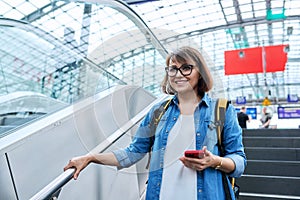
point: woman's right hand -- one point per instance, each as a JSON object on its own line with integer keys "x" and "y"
{"x": 79, "y": 163}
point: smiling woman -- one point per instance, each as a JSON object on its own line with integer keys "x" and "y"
{"x": 188, "y": 59}
{"x": 173, "y": 175}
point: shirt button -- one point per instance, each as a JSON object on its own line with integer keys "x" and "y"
{"x": 198, "y": 134}
{"x": 174, "y": 118}
{"x": 199, "y": 190}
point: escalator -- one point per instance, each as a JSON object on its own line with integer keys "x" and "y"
{"x": 33, "y": 156}
{"x": 36, "y": 143}
{"x": 20, "y": 108}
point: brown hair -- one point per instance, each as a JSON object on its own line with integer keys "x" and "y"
{"x": 182, "y": 55}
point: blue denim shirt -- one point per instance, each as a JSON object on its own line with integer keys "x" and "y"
{"x": 209, "y": 181}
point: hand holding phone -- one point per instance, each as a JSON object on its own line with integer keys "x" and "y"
{"x": 194, "y": 153}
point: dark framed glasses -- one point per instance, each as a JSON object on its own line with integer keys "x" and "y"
{"x": 185, "y": 70}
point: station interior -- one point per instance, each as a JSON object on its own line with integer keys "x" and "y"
{"x": 79, "y": 76}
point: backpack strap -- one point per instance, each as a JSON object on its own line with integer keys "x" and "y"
{"x": 220, "y": 111}
{"x": 157, "y": 114}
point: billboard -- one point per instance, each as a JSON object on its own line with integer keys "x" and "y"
{"x": 290, "y": 112}
{"x": 250, "y": 60}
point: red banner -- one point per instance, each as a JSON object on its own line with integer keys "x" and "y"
{"x": 276, "y": 58}
{"x": 243, "y": 61}
{"x": 250, "y": 60}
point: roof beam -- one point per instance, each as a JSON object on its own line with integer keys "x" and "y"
{"x": 45, "y": 10}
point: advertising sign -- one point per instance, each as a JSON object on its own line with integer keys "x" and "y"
{"x": 241, "y": 100}
{"x": 292, "y": 98}
{"x": 288, "y": 112}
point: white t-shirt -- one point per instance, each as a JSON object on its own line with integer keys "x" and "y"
{"x": 178, "y": 181}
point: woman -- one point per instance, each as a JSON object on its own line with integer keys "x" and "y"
{"x": 183, "y": 126}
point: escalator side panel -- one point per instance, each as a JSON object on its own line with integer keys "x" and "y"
{"x": 7, "y": 189}
{"x": 39, "y": 158}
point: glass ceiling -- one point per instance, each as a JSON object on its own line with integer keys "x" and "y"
{"x": 110, "y": 41}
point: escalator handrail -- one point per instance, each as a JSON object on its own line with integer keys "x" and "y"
{"x": 67, "y": 175}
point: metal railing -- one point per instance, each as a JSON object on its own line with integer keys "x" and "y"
{"x": 52, "y": 190}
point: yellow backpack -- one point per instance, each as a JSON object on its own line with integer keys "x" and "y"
{"x": 220, "y": 111}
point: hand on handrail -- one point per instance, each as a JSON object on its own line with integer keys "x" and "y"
{"x": 79, "y": 163}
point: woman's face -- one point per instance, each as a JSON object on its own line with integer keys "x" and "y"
{"x": 183, "y": 84}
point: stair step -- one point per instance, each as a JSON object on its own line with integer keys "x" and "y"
{"x": 271, "y": 132}
{"x": 279, "y": 154}
{"x": 4, "y": 129}
{"x": 16, "y": 120}
{"x": 273, "y": 163}
{"x": 269, "y": 185}
{"x": 287, "y": 142}
{"x": 254, "y": 196}
{"x": 273, "y": 168}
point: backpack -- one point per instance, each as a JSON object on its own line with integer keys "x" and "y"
{"x": 220, "y": 111}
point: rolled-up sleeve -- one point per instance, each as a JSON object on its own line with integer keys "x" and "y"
{"x": 139, "y": 146}
{"x": 239, "y": 165}
{"x": 122, "y": 158}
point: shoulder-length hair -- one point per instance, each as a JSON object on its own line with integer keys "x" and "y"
{"x": 183, "y": 55}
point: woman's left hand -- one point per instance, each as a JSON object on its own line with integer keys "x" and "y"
{"x": 199, "y": 164}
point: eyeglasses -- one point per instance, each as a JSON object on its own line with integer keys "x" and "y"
{"x": 185, "y": 70}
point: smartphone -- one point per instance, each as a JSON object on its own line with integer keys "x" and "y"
{"x": 194, "y": 153}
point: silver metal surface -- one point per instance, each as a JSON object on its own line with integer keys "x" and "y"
{"x": 38, "y": 152}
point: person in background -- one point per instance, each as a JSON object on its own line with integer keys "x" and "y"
{"x": 243, "y": 118}
{"x": 184, "y": 125}
{"x": 265, "y": 118}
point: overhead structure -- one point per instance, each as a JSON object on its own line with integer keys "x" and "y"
{"x": 129, "y": 40}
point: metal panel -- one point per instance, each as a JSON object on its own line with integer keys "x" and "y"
{"x": 38, "y": 152}
{"x": 7, "y": 188}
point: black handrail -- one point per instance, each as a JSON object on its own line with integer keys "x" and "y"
{"x": 55, "y": 186}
